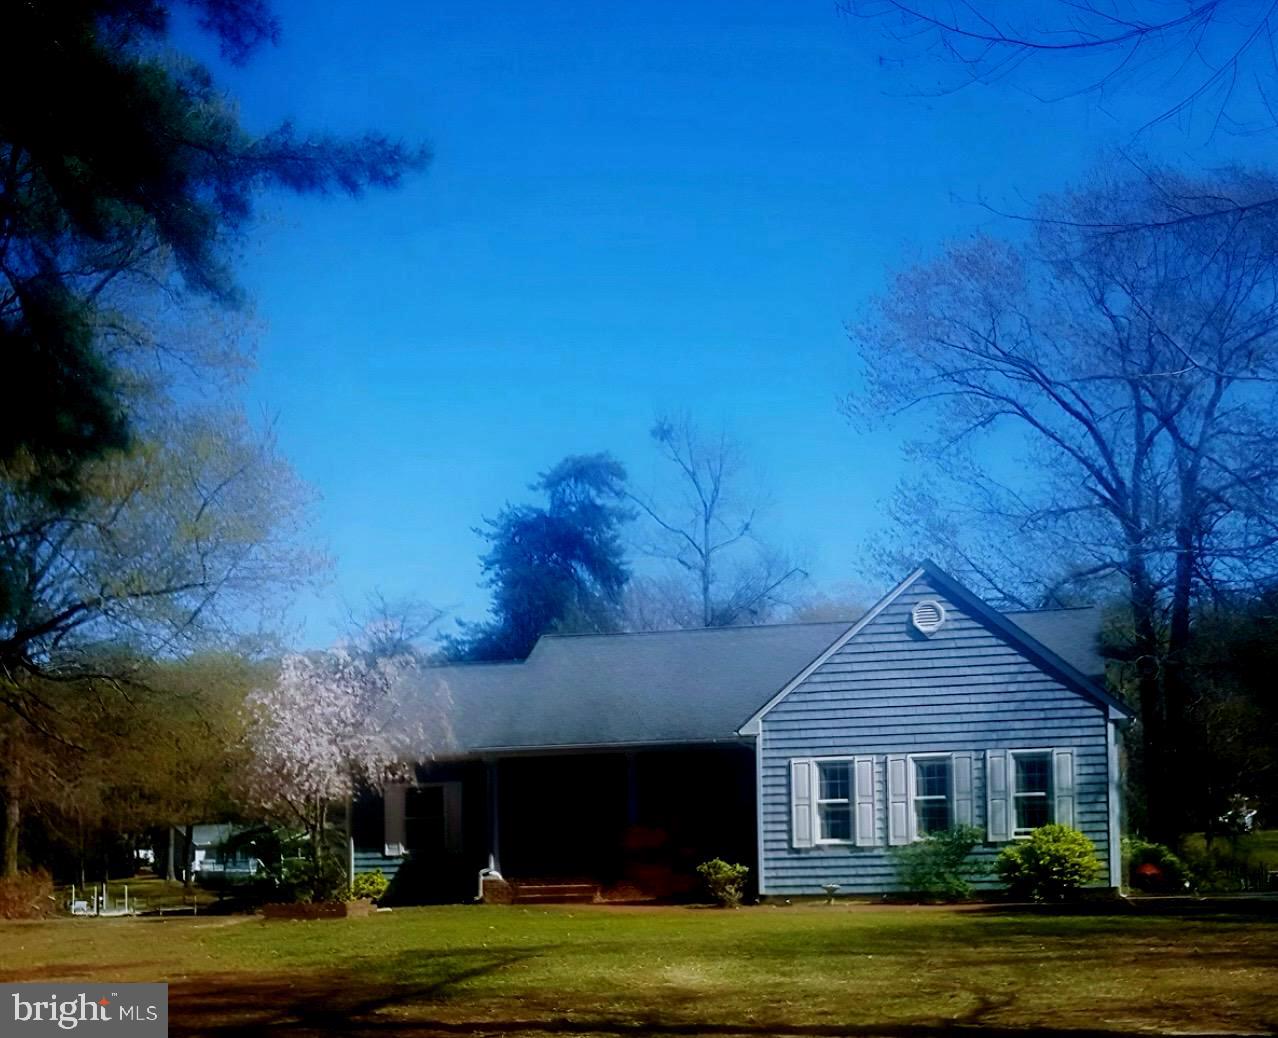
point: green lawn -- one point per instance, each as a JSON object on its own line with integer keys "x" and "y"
{"x": 1256, "y": 849}
{"x": 805, "y": 970}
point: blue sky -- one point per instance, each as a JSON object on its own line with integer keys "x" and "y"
{"x": 632, "y": 208}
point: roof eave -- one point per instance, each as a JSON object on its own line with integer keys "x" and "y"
{"x": 1026, "y": 641}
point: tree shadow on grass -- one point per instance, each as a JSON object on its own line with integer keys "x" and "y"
{"x": 344, "y": 1002}
{"x": 1232, "y": 909}
{"x": 358, "y": 1006}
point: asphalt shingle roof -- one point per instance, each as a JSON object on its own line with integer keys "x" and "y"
{"x": 663, "y": 687}
{"x": 668, "y": 686}
{"x": 1073, "y": 634}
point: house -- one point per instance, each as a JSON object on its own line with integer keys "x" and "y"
{"x": 807, "y": 751}
{"x": 211, "y": 856}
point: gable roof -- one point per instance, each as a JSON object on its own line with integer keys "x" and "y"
{"x": 1014, "y": 629}
{"x": 699, "y": 686}
{"x": 1019, "y": 635}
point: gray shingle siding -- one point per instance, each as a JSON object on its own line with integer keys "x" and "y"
{"x": 889, "y": 690}
{"x": 375, "y": 861}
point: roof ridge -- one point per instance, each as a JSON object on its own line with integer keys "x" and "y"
{"x": 695, "y": 630}
{"x": 475, "y": 663}
{"x": 1048, "y": 609}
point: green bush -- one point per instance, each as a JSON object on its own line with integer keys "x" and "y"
{"x": 726, "y": 882}
{"x": 1052, "y": 865}
{"x": 940, "y": 865}
{"x": 1154, "y": 868}
{"x": 372, "y": 885}
{"x": 298, "y": 879}
{"x": 28, "y": 895}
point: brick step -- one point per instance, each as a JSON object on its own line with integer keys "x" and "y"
{"x": 554, "y": 899}
{"x": 554, "y": 893}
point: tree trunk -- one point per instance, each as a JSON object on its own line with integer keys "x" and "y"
{"x": 1178, "y": 802}
{"x": 12, "y": 796}
{"x": 707, "y": 609}
{"x": 169, "y": 871}
{"x": 317, "y": 840}
{"x": 1149, "y": 654}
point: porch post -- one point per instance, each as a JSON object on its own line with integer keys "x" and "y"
{"x": 350, "y": 842}
{"x": 494, "y": 810}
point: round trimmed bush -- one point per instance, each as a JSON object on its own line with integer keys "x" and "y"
{"x": 1052, "y": 865}
{"x": 372, "y": 885}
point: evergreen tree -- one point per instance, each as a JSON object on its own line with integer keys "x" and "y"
{"x": 555, "y": 568}
{"x": 123, "y": 166}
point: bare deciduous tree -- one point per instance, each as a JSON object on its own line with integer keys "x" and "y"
{"x": 704, "y": 529}
{"x": 1213, "y": 56}
{"x": 392, "y": 627}
{"x": 1097, "y": 410}
{"x": 1209, "y": 66}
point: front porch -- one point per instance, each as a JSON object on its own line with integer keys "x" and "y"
{"x": 632, "y": 824}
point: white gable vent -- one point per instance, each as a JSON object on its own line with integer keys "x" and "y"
{"x": 928, "y": 616}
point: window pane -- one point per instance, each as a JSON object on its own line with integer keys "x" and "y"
{"x": 1031, "y": 812}
{"x": 932, "y": 778}
{"x": 835, "y": 783}
{"x": 836, "y": 821}
{"x": 1032, "y": 772}
{"x": 933, "y": 816}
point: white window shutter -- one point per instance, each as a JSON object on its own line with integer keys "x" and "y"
{"x": 802, "y": 808}
{"x": 962, "y": 788}
{"x": 898, "y": 793}
{"x": 1063, "y": 786}
{"x": 863, "y": 784}
{"x": 997, "y": 800}
{"x": 393, "y": 818}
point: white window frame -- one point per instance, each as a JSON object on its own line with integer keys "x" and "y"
{"x": 849, "y": 801}
{"x": 915, "y": 796}
{"x": 1014, "y": 794}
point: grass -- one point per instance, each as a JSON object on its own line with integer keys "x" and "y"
{"x": 147, "y": 893}
{"x": 1256, "y": 849}
{"x": 803, "y": 970}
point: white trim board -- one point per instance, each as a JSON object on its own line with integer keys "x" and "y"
{"x": 1115, "y": 795}
{"x": 752, "y": 726}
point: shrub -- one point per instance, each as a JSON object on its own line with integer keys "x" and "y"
{"x": 725, "y": 882}
{"x": 298, "y": 879}
{"x": 940, "y": 864}
{"x": 1153, "y": 867}
{"x": 28, "y": 895}
{"x": 1052, "y": 865}
{"x": 372, "y": 885}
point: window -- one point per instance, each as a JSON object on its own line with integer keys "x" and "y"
{"x": 834, "y": 802}
{"x": 424, "y": 819}
{"x": 931, "y": 794}
{"x": 1031, "y": 791}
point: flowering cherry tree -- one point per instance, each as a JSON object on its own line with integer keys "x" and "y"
{"x": 333, "y": 721}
